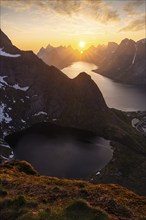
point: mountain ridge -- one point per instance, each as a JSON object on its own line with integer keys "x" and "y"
{"x": 124, "y": 62}
{"x": 34, "y": 92}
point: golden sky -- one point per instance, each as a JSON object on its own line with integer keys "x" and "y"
{"x": 31, "y": 24}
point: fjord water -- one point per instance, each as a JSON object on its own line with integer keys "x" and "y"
{"x": 65, "y": 156}
{"x": 116, "y": 95}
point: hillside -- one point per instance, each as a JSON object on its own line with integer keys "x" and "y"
{"x": 25, "y": 195}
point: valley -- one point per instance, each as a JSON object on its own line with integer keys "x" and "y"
{"x": 82, "y": 133}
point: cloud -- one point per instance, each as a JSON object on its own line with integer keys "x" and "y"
{"x": 110, "y": 15}
{"x": 136, "y": 25}
{"x": 131, "y": 7}
{"x": 96, "y": 9}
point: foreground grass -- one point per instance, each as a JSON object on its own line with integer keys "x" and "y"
{"x": 24, "y": 195}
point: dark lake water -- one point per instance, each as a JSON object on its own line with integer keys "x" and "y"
{"x": 64, "y": 155}
{"x": 117, "y": 95}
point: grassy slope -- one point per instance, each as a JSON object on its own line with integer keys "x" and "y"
{"x": 25, "y": 195}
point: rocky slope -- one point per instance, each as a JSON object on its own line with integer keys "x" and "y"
{"x": 127, "y": 64}
{"x": 25, "y": 195}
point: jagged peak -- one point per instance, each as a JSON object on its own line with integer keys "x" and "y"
{"x": 4, "y": 40}
{"x": 143, "y": 41}
{"x": 49, "y": 47}
{"x": 127, "y": 41}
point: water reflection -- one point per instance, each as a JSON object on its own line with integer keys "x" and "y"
{"x": 64, "y": 156}
{"x": 117, "y": 95}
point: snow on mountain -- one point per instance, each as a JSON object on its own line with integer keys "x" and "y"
{"x": 16, "y": 86}
{"x": 40, "y": 113}
{"x": 134, "y": 54}
{"x": 5, "y": 54}
{"x": 2, "y": 81}
{"x": 4, "y": 117}
{"x": 127, "y": 64}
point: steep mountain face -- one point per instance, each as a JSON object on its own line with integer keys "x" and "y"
{"x": 127, "y": 63}
{"x": 59, "y": 57}
{"x": 30, "y": 88}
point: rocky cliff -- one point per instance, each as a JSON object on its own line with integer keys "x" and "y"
{"x": 127, "y": 64}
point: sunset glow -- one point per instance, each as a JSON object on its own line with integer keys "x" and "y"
{"x": 82, "y": 44}
{"x": 32, "y": 24}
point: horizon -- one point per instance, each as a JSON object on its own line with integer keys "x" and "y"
{"x": 33, "y": 24}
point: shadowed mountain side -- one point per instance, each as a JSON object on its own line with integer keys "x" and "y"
{"x": 127, "y": 64}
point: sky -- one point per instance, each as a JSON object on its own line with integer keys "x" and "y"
{"x": 32, "y": 24}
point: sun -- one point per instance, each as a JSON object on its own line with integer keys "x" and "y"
{"x": 82, "y": 44}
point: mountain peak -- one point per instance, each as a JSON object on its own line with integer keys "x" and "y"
{"x": 6, "y": 44}
{"x": 4, "y": 40}
{"x": 143, "y": 41}
{"x": 83, "y": 75}
{"x": 127, "y": 41}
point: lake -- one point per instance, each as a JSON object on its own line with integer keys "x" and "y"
{"x": 64, "y": 153}
{"x": 117, "y": 95}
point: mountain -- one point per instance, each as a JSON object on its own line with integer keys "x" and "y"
{"x": 32, "y": 92}
{"x": 97, "y": 54}
{"x": 59, "y": 57}
{"x": 30, "y": 87}
{"x": 127, "y": 63}
{"x": 124, "y": 63}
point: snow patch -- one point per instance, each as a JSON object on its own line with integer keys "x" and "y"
{"x": 40, "y": 113}
{"x": 16, "y": 86}
{"x": 134, "y": 54}
{"x": 4, "y": 117}
{"x": 23, "y": 121}
{"x": 134, "y": 122}
{"x": 2, "y": 81}
{"x": 4, "y": 54}
{"x": 5, "y": 145}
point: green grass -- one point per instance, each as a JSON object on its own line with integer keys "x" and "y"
{"x": 34, "y": 197}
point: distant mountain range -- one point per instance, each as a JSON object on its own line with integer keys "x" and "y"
{"x": 124, "y": 63}
{"x": 59, "y": 57}
{"x": 32, "y": 91}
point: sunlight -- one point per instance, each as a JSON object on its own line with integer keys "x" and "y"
{"x": 82, "y": 44}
